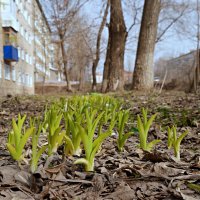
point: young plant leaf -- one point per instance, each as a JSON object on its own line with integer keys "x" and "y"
{"x": 174, "y": 141}
{"x": 91, "y": 145}
{"x": 69, "y": 147}
{"x": 17, "y": 139}
{"x": 143, "y": 128}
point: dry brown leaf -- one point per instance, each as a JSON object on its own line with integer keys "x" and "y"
{"x": 55, "y": 169}
{"x": 7, "y": 174}
{"x": 184, "y": 196}
{"x": 23, "y": 178}
{"x": 122, "y": 192}
{"x": 162, "y": 169}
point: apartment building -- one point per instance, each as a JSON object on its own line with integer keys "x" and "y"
{"x": 1, "y": 51}
{"x": 27, "y": 52}
{"x": 44, "y": 48}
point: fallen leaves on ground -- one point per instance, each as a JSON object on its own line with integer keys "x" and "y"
{"x": 132, "y": 174}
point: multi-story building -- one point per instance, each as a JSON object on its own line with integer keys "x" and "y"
{"x": 1, "y": 50}
{"x": 27, "y": 51}
{"x": 44, "y": 49}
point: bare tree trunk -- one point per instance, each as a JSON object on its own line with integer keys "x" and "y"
{"x": 116, "y": 49}
{"x": 106, "y": 68}
{"x": 143, "y": 73}
{"x": 197, "y": 70}
{"x": 69, "y": 88}
{"x": 96, "y": 60}
{"x": 81, "y": 78}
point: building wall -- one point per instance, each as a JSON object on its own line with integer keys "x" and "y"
{"x": 25, "y": 68}
{"x": 42, "y": 38}
{"x": 20, "y": 14}
{"x": 54, "y": 76}
{"x": 179, "y": 71}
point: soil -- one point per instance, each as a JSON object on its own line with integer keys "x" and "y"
{"x": 130, "y": 174}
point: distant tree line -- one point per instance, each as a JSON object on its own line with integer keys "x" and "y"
{"x": 82, "y": 43}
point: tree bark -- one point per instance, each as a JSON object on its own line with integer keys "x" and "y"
{"x": 116, "y": 48}
{"x": 197, "y": 66}
{"x": 81, "y": 77}
{"x": 106, "y": 68}
{"x": 143, "y": 74}
{"x": 97, "y": 56}
{"x": 69, "y": 88}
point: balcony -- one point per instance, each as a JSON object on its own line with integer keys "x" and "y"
{"x": 8, "y": 14}
{"x": 10, "y": 53}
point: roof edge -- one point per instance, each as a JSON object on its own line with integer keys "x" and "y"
{"x": 45, "y": 19}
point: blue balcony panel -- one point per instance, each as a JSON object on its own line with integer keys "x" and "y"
{"x": 10, "y": 53}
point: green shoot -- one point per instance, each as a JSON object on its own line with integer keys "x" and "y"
{"x": 73, "y": 140}
{"x": 55, "y": 136}
{"x": 122, "y": 137}
{"x": 69, "y": 147}
{"x": 17, "y": 138}
{"x": 36, "y": 151}
{"x": 143, "y": 128}
{"x": 175, "y": 142}
{"x": 91, "y": 144}
{"x": 74, "y": 116}
{"x": 45, "y": 123}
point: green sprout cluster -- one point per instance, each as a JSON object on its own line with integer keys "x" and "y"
{"x": 174, "y": 141}
{"x": 80, "y": 124}
{"x": 143, "y": 128}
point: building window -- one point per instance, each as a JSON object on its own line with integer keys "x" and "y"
{"x": 19, "y": 77}
{"x": 4, "y": 6}
{"x": 19, "y": 52}
{"x": 26, "y": 57}
{"x": 26, "y": 79}
{"x": 25, "y": 34}
{"x": 21, "y": 7}
{"x": 30, "y": 81}
{"x": 9, "y": 36}
{"x": 22, "y": 78}
{"x": 7, "y": 72}
{"x": 29, "y": 19}
{"x": 22, "y": 54}
{"x": 13, "y": 74}
{"x": 28, "y": 37}
{"x": 25, "y": 15}
{"x": 22, "y": 31}
{"x": 30, "y": 60}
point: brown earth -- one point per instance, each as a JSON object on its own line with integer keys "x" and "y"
{"x": 131, "y": 174}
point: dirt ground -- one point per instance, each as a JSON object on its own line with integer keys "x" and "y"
{"x": 131, "y": 174}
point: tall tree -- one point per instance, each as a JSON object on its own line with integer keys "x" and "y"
{"x": 98, "y": 43}
{"x": 143, "y": 73}
{"x": 62, "y": 18}
{"x": 114, "y": 65}
{"x": 197, "y": 64}
{"x": 80, "y": 61}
